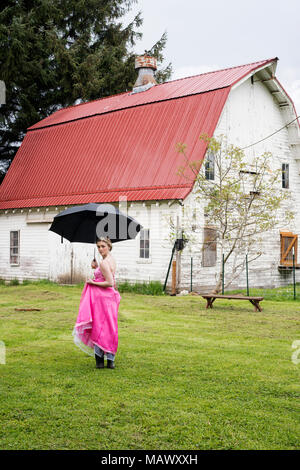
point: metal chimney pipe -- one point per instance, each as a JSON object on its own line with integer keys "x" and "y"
{"x": 146, "y": 67}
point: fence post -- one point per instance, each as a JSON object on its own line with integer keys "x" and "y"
{"x": 166, "y": 280}
{"x": 173, "y": 278}
{"x": 294, "y": 273}
{"x": 223, "y": 273}
{"x": 191, "y": 274}
{"x": 247, "y": 275}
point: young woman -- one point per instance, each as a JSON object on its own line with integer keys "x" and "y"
{"x": 96, "y": 328}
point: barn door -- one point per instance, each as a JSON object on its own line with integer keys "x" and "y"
{"x": 288, "y": 243}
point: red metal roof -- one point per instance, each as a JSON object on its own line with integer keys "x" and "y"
{"x": 129, "y": 152}
{"x": 123, "y": 145}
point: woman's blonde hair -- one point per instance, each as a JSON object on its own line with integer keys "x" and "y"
{"x": 106, "y": 240}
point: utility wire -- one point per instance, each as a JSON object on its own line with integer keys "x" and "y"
{"x": 265, "y": 138}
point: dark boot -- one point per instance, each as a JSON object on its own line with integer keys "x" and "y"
{"x": 99, "y": 362}
{"x": 110, "y": 364}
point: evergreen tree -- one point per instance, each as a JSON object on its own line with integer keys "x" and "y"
{"x": 54, "y": 52}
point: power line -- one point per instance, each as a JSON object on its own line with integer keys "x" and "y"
{"x": 265, "y": 138}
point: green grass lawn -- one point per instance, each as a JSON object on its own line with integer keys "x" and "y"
{"x": 185, "y": 377}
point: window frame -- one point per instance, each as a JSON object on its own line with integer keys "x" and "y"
{"x": 285, "y": 178}
{"x": 13, "y": 246}
{"x": 143, "y": 249}
{"x": 209, "y": 166}
{"x": 286, "y": 250}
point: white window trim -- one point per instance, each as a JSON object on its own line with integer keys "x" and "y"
{"x": 286, "y": 178}
{"x": 208, "y": 161}
{"x": 144, "y": 260}
{"x": 18, "y": 263}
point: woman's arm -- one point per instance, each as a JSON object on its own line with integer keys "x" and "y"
{"x": 105, "y": 269}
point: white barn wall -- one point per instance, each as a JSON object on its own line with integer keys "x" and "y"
{"x": 130, "y": 266}
{"x": 34, "y": 249}
{"x": 250, "y": 114}
{"x": 43, "y": 256}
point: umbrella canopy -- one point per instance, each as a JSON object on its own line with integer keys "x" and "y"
{"x": 91, "y": 221}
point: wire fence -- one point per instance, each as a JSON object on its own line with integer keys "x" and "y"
{"x": 280, "y": 293}
{"x": 284, "y": 293}
{"x": 290, "y": 291}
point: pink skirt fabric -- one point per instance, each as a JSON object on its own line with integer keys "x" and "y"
{"x": 97, "y": 320}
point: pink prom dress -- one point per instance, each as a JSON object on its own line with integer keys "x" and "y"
{"x": 97, "y": 320}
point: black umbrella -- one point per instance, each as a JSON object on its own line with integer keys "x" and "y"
{"x": 91, "y": 221}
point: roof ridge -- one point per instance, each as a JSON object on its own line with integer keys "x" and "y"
{"x": 170, "y": 81}
{"x": 88, "y": 102}
{"x": 123, "y": 108}
{"x": 223, "y": 70}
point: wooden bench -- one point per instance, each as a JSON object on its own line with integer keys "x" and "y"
{"x": 254, "y": 300}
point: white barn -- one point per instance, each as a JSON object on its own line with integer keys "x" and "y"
{"x": 122, "y": 148}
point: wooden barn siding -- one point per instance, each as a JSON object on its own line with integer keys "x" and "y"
{"x": 130, "y": 266}
{"x": 34, "y": 250}
{"x": 251, "y": 114}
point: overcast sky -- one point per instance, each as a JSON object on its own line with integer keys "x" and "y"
{"x": 205, "y": 35}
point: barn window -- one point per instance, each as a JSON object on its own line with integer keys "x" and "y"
{"x": 210, "y": 166}
{"x": 209, "y": 249}
{"x": 288, "y": 246}
{"x": 285, "y": 175}
{"x": 15, "y": 247}
{"x": 145, "y": 243}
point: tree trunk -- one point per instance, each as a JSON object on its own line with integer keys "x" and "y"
{"x": 218, "y": 286}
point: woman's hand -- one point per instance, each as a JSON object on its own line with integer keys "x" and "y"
{"x": 94, "y": 264}
{"x": 109, "y": 282}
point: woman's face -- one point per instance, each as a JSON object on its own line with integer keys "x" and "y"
{"x": 103, "y": 249}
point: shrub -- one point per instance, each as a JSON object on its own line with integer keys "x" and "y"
{"x": 146, "y": 288}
